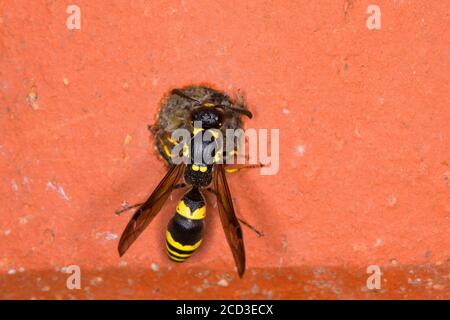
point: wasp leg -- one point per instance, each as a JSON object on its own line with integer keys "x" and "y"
{"x": 129, "y": 207}
{"x": 169, "y": 138}
{"x": 245, "y": 223}
{"x": 239, "y": 168}
{"x": 236, "y": 157}
{"x": 167, "y": 144}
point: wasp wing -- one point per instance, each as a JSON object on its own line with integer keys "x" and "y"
{"x": 145, "y": 214}
{"x": 230, "y": 223}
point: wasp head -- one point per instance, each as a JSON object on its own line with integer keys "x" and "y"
{"x": 210, "y": 118}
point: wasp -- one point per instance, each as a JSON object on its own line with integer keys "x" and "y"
{"x": 184, "y": 108}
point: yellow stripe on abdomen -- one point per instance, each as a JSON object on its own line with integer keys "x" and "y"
{"x": 179, "y": 252}
{"x": 185, "y": 211}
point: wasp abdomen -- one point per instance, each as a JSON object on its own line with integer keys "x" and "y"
{"x": 185, "y": 229}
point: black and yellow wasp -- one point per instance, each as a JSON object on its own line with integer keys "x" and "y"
{"x": 184, "y": 231}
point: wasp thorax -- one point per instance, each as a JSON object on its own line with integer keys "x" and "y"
{"x": 209, "y": 118}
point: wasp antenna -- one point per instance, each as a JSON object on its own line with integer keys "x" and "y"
{"x": 181, "y": 94}
{"x": 239, "y": 110}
